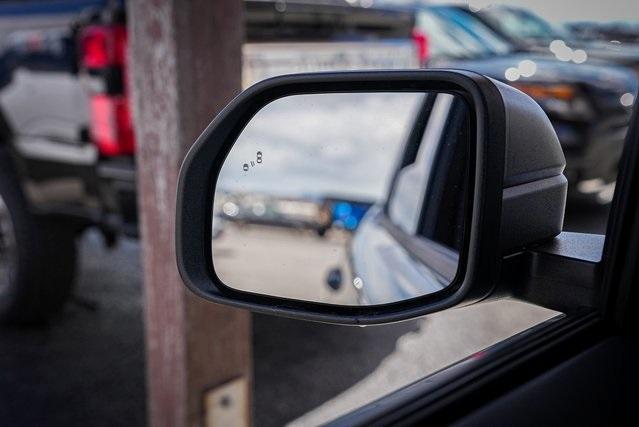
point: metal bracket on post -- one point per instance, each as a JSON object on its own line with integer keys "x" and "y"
{"x": 227, "y": 404}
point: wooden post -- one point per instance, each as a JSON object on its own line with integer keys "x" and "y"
{"x": 185, "y": 61}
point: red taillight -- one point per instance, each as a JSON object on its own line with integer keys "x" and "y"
{"x": 111, "y": 127}
{"x": 103, "y": 47}
{"x": 421, "y": 44}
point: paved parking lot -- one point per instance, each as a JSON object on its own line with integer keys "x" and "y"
{"x": 286, "y": 262}
{"x": 87, "y": 368}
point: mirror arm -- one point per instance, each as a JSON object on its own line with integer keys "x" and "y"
{"x": 563, "y": 274}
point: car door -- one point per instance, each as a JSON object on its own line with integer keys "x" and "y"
{"x": 416, "y": 232}
{"x": 577, "y": 369}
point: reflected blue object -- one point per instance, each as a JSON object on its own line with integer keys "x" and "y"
{"x": 341, "y": 210}
{"x": 349, "y": 214}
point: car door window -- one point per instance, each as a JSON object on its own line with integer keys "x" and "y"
{"x": 405, "y": 205}
{"x": 430, "y": 190}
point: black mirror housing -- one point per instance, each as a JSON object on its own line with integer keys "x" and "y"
{"x": 517, "y": 189}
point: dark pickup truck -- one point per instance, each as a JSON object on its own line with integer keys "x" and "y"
{"x": 67, "y": 144}
{"x": 589, "y": 104}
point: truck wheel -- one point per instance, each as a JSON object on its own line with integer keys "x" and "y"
{"x": 37, "y": 258}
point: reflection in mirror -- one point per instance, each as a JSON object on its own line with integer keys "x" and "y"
{"x": 349, "y": 198}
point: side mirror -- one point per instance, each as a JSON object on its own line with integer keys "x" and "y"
{"x": 366, "y": 197}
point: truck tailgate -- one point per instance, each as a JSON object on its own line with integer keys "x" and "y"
{"x": 263, "y": 60}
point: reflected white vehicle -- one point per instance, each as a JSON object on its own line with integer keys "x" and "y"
{"x": 409, "y": 245}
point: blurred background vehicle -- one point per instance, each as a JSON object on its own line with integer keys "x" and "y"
{"x": 67, "y": 147}
{"x": 589, "y": 103}
{"x": 529, "y": 32}
{"x": 616, "y": 32}
{"x": 267, "y": 209}
{"x": 298, "y": 36}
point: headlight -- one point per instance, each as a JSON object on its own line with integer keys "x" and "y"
{"x": 560, "y": 100}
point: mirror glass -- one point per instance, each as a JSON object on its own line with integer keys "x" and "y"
{"x": 345, "y": 198}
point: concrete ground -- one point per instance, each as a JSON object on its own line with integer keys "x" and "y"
{"x": 283, "y": 262}
{"x": 87, "y": 367}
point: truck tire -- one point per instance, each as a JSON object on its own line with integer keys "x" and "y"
{"x": 37, "y": 257}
